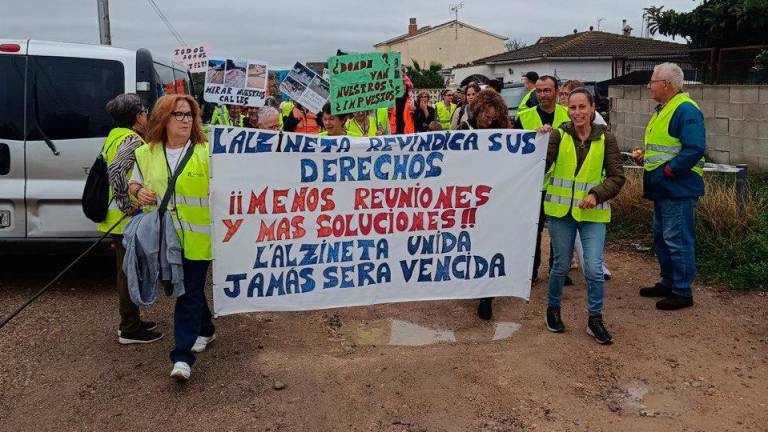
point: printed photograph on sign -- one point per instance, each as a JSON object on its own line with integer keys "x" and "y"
{"x": 257, "y": 75}
{"x": 302, "y": 74}
{"x": 235, "y": 74}
{"x": 293, "y": 88}
{"x": 320, "y": 87}
{"x": 215, "y": 73}
{"x": 236, "y": 81}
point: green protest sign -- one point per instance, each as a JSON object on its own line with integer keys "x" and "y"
{"x": 361, "y": 82}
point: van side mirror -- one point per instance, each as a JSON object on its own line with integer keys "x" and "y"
{"x": 5, "y": 159}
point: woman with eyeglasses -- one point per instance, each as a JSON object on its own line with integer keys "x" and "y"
{"x": 130, "y": 118}
{"x": 175, "y": 128}
{"x": 489, "y": 111}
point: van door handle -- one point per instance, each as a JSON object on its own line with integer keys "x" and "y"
{"x": 5, "y": 159}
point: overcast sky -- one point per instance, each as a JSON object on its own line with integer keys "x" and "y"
{"x": 284, "y": 31}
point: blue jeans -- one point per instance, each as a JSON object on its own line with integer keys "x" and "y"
{"x": 674, "y": 240}
{"x": 562, "y": 232}
{"x": 191, "y": 318}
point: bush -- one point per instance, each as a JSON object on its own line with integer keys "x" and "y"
{"x": 731, "y": 238}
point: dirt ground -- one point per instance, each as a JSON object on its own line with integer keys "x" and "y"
{"x": 701, "y": 369}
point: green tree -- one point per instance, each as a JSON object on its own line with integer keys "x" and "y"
{"x": 426, "y": 78}
{"x": 714, "y": 23}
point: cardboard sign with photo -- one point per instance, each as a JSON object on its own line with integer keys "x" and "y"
{"x": 306, "y": 87}
{"x": 236, "y": 81}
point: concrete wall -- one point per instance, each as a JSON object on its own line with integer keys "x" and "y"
{"x": 735, "y": 116}
{"x": 441, "y": 46}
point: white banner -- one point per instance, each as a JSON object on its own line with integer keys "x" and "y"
{"x": 305, "y": 222}
{"x": 236, "y": 81}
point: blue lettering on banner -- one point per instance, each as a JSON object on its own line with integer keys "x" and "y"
{"x": 527, "y": 139}
{"x": 384, "y": 167}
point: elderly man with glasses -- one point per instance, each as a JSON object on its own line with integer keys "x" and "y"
{"x": 673, "y": 161}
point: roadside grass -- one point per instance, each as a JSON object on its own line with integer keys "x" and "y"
{"x": 731, "y": 238}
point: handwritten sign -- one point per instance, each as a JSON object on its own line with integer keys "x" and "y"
{"x": 307, "y": 222}
{"x": 235, "y": 81}
{"x": 196, "y": 57}
{"x": 362, "y": 82}
{"x": 306, "y": 87}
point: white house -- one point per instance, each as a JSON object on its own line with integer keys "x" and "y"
{"x": 586, "y": 56}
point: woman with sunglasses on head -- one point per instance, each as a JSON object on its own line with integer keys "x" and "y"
{"x": 175, "y": 129}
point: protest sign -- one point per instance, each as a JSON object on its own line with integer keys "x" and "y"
{"x": 306, "y": 87}
{"x": 366, "y": 81}
{"x": 196, "y": 57}
{"x": 235, "y": 81}
{"x": 306, "y": 222}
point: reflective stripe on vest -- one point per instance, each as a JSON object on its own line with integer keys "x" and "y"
{"x": 111, "y": 147}
{"x": 660, "y": 146}
{"x": 567, "y": 188}
{"x": 354, "y": 130}
{"x": 531, "y": 120}
{"x": 189, "y": 206}
{"x": 382, "y": 120}
{"x": 444, "y": 114}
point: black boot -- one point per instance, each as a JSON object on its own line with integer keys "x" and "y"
{"x": 485, "y": 308}
{"x": 596, "y": 329}
{"x": 554, "y": 323}
{"x": 674, "y": 302}
{"x": 657, "y": 290}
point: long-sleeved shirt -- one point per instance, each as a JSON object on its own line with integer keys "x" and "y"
{"x": 687, "y": 125}
{"x": 118, "y": 172}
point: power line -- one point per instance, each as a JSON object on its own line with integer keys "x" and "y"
{"x": 167, "y": 22}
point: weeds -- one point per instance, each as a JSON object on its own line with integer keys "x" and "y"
{"x": 731, "y": 237}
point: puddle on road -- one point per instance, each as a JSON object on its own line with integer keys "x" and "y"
{"x": 403, "y": 333}
{"x": 640, "y": 398}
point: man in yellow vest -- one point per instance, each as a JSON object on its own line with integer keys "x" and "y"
{"x": 361, "y": 124}
{"x": 529, "y": 100}
{"x": 673, "y": 161}
{"x": 545, "y": 116}
{"x": 445, "y": 109}
{"x": 130, "y": 117}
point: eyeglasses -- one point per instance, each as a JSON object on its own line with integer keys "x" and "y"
{"x": 545, "y": 91}
{"x": 655, "y": 81}
{"x": 181, "y": 115}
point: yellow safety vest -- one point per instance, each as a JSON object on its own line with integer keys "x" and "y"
{"x": 285, "y": 110}
{"x": 567, "y": 188}
{"x": 444, "y": 114}
{"x": 382, "y": 119}
{"x": 660, "y": 146}
{"x": 531, "y": 121}
{"x": 189, "y": 205}
{"x": 220, "y": 116}
{"x": 354, "y": 130}
{"x": 111, "y": 147}
{"x": 523, "y": 103}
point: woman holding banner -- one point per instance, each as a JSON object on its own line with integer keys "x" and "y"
{"x": 362, "y": 124}
{"x": 489, "y": 111}
{"x": 334, "y": 124}
{"x": 586, "y": 171}
{"x": 177, "y": 151}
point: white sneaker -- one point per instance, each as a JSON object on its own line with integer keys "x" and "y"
{"x": 181, "y": 371}
{"x": 202, "y": 343}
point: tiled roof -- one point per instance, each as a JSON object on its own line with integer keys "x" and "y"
{"x": 590, "y": 44}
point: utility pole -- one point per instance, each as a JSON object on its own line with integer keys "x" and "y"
{"x": 105, "y": 35}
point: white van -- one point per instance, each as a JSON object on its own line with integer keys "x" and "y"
{"x": 53, "y": 124}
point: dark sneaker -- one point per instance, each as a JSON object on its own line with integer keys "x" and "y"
{"x": 568, "y": 281}
{"x": 554, "y": 323}
{"x": 596, "y": 329}
{"x": 139, "y": 337}
{"x": 485, "y": 308}
{"x": 657, "y": 290}
{"x": 145, "y": 325}
{"x": 674, "y": 302}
